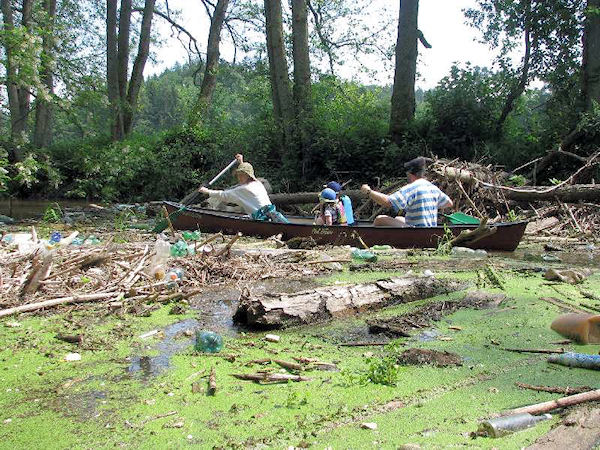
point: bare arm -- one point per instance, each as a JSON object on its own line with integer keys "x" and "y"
{"x": 378, "y": 197}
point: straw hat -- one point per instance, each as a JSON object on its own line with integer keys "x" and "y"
{"x": 247, "y": 169}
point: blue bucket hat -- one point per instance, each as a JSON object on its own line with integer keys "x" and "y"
{"x": 327, "y": 195}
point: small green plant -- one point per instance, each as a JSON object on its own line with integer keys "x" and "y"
{"x": 444, "y": 246}
{"x": 382, "y": 370}
{"x": 517, "y": 180}
{"x": 123, "y": 218}
{"x": 53, "y": 213}
{"x": 554, "y": 181}
{"x": 512, "y": 216}
{"x": 295, "y": 400}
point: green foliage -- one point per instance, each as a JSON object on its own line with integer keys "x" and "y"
{"x": 517, "y": 180}
{"x": 53, "y": 214}
{"x": 512, "y": 216}
{"x": 444, "y": 246}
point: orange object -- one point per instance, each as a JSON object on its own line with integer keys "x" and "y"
{"x": 583, "y": 328}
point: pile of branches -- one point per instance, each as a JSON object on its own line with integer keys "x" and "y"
{"x": 121, "y": 277}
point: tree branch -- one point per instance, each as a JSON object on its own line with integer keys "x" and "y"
{"x": 175, "y": 25}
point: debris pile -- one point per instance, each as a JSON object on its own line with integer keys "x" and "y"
{"x": 36, "y": 274}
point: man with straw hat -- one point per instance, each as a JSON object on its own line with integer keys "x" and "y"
{"x": 249, "y": 194}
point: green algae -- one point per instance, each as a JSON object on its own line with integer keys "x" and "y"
{"x": 97, "y": 403}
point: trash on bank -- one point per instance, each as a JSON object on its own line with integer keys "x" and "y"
{"x": 501, "y": 426}
{"x": 583, "y": 328}
{"x": 581, "y": 360}
{"x": 571, "y": 276}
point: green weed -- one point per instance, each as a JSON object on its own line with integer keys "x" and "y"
{"x": 53, "y": 213}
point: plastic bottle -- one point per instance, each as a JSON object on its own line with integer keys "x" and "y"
{"x": 572, "y": 359}
{"x": 175, "y": 274}
{"x": 162, "y": 250}
{"x": 348, "y": 209}
{"x": 93, "y": 240}
{"x": 55, "y": 237}
{"x": 381, "y": 247}
{"x": 209, "y": 342}
{"x": 502, "y": 426}
{"x": 8, "y": 238}
{"x": 364, "y": 255}
{"x": 180, "y": 248}
{"x": 191, "y": 235}
{"x": 78, "y": 241}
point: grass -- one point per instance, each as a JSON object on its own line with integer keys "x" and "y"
{"x": 96, "y": 403}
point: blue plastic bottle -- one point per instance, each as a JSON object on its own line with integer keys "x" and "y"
{"x": 348, "y": 209}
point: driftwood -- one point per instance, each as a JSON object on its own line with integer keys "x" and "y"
{"x": 563, "y": 402}
{"x": 472, "y": 236}
{"x": 270, "y": 377}
{"x": 40, "y": 270}
{"x": 288, "y": 365}
{"x": 568, "y": 193}
{"x": 555, "y": 389}
{"x": 534, "y": 350}
{"x": 212, "y": 382}
{"x": 326, "y": 303}
{"x": 58, "y": 301}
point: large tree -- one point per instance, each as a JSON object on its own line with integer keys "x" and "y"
{"x": 403, "y": 95}
{"x": 209, "y": 81}
{"x": 591, "y": 56}
{"x": 283, "y": 106}
{"x": 20, "y": 51}
{"x": 302, "y": 85}
{"x": 547, "y": 32}
{"x": 123, "y": 90}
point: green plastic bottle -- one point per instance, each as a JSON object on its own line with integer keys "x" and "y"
{"x": 208, "y": 342}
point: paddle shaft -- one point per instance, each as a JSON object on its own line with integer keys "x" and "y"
{"x": 194, "y": 194}
{"x": 164, "y": 223}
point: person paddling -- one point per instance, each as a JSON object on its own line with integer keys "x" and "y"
{"x": 420, "y": 199}
{"x": 250, "y": 194}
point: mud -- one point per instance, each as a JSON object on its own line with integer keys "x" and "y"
{"x": 420, "y": 357}
{"x": 579, "y": 429}
{"x": 405, "y": 324}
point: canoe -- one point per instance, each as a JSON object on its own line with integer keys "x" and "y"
{"x": 506, "y": 238}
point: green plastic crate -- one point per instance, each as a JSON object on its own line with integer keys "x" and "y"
{"x": 459, "y": 218}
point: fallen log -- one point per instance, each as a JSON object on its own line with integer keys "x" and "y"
{"x": 567, "y": 194}
{"x": 326, "y": 303}
{"x": 270, "y": 377}
{"x": 298, "y": 198}
{"x": 563, "y": 402}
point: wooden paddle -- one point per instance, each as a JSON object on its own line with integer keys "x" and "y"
{"x": 162, "y": 224}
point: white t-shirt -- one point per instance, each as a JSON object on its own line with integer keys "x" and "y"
{"x": 251, "y": 196}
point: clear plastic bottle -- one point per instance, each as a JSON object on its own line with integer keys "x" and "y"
{"x": 501, "y": 426}
{"x": 209, "y": 342}
{"x": 162, "y": 251}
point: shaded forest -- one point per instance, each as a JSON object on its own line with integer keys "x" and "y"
{"x": 79, "y": 120}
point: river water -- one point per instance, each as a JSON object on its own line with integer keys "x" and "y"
{"x": 34, "y": 209}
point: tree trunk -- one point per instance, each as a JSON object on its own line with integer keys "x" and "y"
{"x": 591, "y": 55}
{"x": 302, "y": 87}
{"x": 138, "y": 66}
{"x": 209, "y": 81}
{"x": 112, "y": 70}
{"x": 520, "y": 86}
{"x": 280, "y": 82}
{"x": 324, "y": 304}
{"x": 403, "y": 95}
{"x": 43, "y": 109}
{"x": 18, "y": 95}
{"x": 317, "y": 17}
{"x": 568, "y": 194}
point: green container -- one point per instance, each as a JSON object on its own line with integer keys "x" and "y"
{"x": 459, "y": 218}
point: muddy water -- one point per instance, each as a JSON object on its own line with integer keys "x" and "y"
{"x": 34, "y": 209}
{"x": 581, "y": 255}
{"x": 215, "y": 308}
